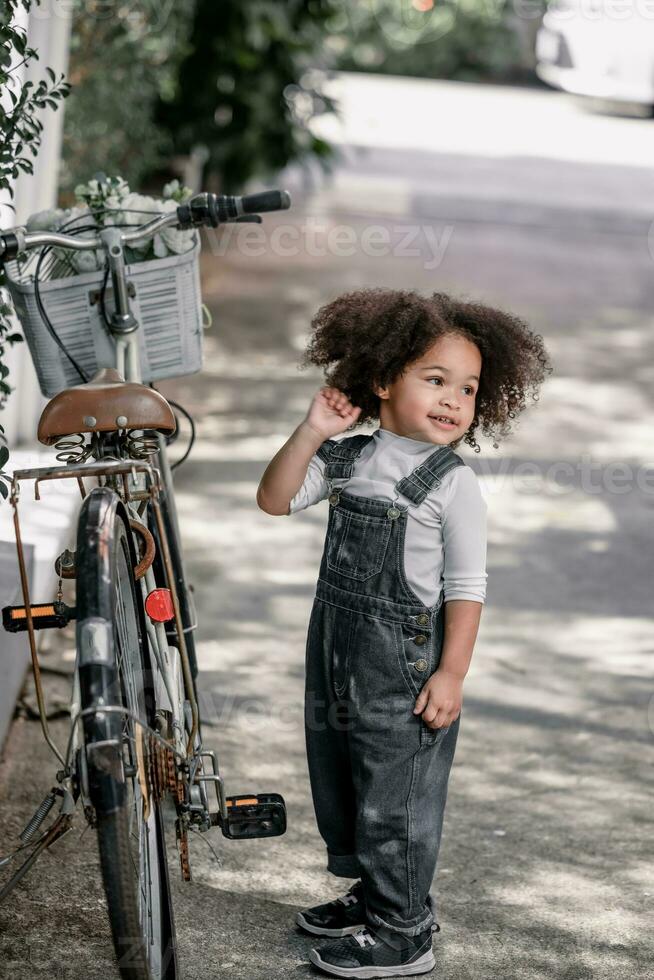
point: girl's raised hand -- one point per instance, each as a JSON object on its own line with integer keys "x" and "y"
{"x": 331, "y": 412}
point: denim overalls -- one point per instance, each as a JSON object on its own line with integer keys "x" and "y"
{"x": 378, "y": 772}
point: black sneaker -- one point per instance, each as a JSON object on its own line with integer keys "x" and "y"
{"x": 341, "y": 917}
{"x": 373, "y": 952}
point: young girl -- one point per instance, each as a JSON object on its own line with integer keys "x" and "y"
{"x": 399, "y": 595}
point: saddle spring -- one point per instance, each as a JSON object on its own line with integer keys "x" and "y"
{"x": 73, "y": 449}
{"x": 126, "y": 443}
{"x": 140, "y": 446}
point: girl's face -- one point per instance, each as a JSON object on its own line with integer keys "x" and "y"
{"x": 443, "y": 382}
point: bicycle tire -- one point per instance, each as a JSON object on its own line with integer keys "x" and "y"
{"x": 114, "y": 668}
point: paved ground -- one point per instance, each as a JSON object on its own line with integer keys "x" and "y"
{"x": 545, "y": 865}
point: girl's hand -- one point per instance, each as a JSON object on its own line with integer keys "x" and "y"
{"x": 331, "y": 412}
{"x": 440, "y": 700}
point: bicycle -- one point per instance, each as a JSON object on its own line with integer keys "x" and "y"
{"x": 135, "y": 741}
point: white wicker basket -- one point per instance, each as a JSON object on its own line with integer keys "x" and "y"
{"x": 167, "y": 305}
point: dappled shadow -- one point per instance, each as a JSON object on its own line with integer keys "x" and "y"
{"x": 545, "y": 865}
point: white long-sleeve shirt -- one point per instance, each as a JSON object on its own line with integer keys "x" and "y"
{"x": 445, "y": 542}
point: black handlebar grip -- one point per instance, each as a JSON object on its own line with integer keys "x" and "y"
{"x": 9, "y": 246}
{"x": 265, "y": 201}
{"x": 207, "y": 209}
{"x": 222, "y": 207}
{"x": 215, "y": 209}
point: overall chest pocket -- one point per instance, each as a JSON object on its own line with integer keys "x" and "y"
{"x": 356, "y": 544}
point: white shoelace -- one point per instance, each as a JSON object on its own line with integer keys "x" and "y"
{"x": 364, "y": 937}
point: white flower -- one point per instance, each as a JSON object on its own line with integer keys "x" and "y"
{"x": 86, "y": 261}
{"x": 176, "y": 240}
{"x": 75, "y": 218}
{"x": 131, "y": 214}
{"x": 46, "y": 220}
{"x": 71, "y": 220}
{"x": 176, "y": 191}
{"x": 170, "y": 188}
{"x": 134, "y": 204}
{"x": 124, "y": 207}
{"x": 67, "y": 221}
{"x": 159, "y": 247}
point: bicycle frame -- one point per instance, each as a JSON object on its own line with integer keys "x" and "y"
{"x": 124, "y": 327}
{"x": 171, "y": 667}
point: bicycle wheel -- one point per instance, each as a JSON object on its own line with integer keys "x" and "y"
{"x": 114, "y": 669}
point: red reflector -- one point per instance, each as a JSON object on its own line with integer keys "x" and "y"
{"x": 159, "y": 605}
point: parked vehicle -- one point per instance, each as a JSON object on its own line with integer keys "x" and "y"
{"x": 599, "y": 48}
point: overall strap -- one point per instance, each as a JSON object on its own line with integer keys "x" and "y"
{"x": 340, "y": 455}
{"x": 426, "y": 477}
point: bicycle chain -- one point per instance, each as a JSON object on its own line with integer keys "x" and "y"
{"x": 163, "y": 778}
{"x": 175, "y": 781}
{"x": 157, "y": 770}
{"x": 176, "y": 786}
{"x": 181, "y": 829}
{"x": 162, "y": 772}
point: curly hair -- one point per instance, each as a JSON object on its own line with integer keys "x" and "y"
{"x": 371, "y": 336}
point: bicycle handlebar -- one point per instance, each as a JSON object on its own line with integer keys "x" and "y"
{"x": 202, "y": 210}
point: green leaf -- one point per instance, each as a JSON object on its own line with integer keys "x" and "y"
{"x": 4, "y": 489}
{"x": 4, "y": 456}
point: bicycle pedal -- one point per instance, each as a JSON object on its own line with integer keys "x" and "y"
{"x": 45, "y": 615}
{"x": 260, "y": 815}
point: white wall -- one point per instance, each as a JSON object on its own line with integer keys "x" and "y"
{"x": 49, "y": 34}
{"x": 46, "y": 526}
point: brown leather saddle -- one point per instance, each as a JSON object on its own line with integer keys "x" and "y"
{"x": 104, "y": 404}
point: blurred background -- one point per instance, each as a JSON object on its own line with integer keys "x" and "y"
{"x": 501, "y": 151}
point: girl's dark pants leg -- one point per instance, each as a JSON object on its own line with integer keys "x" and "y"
{"x": 378, "y": 773}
